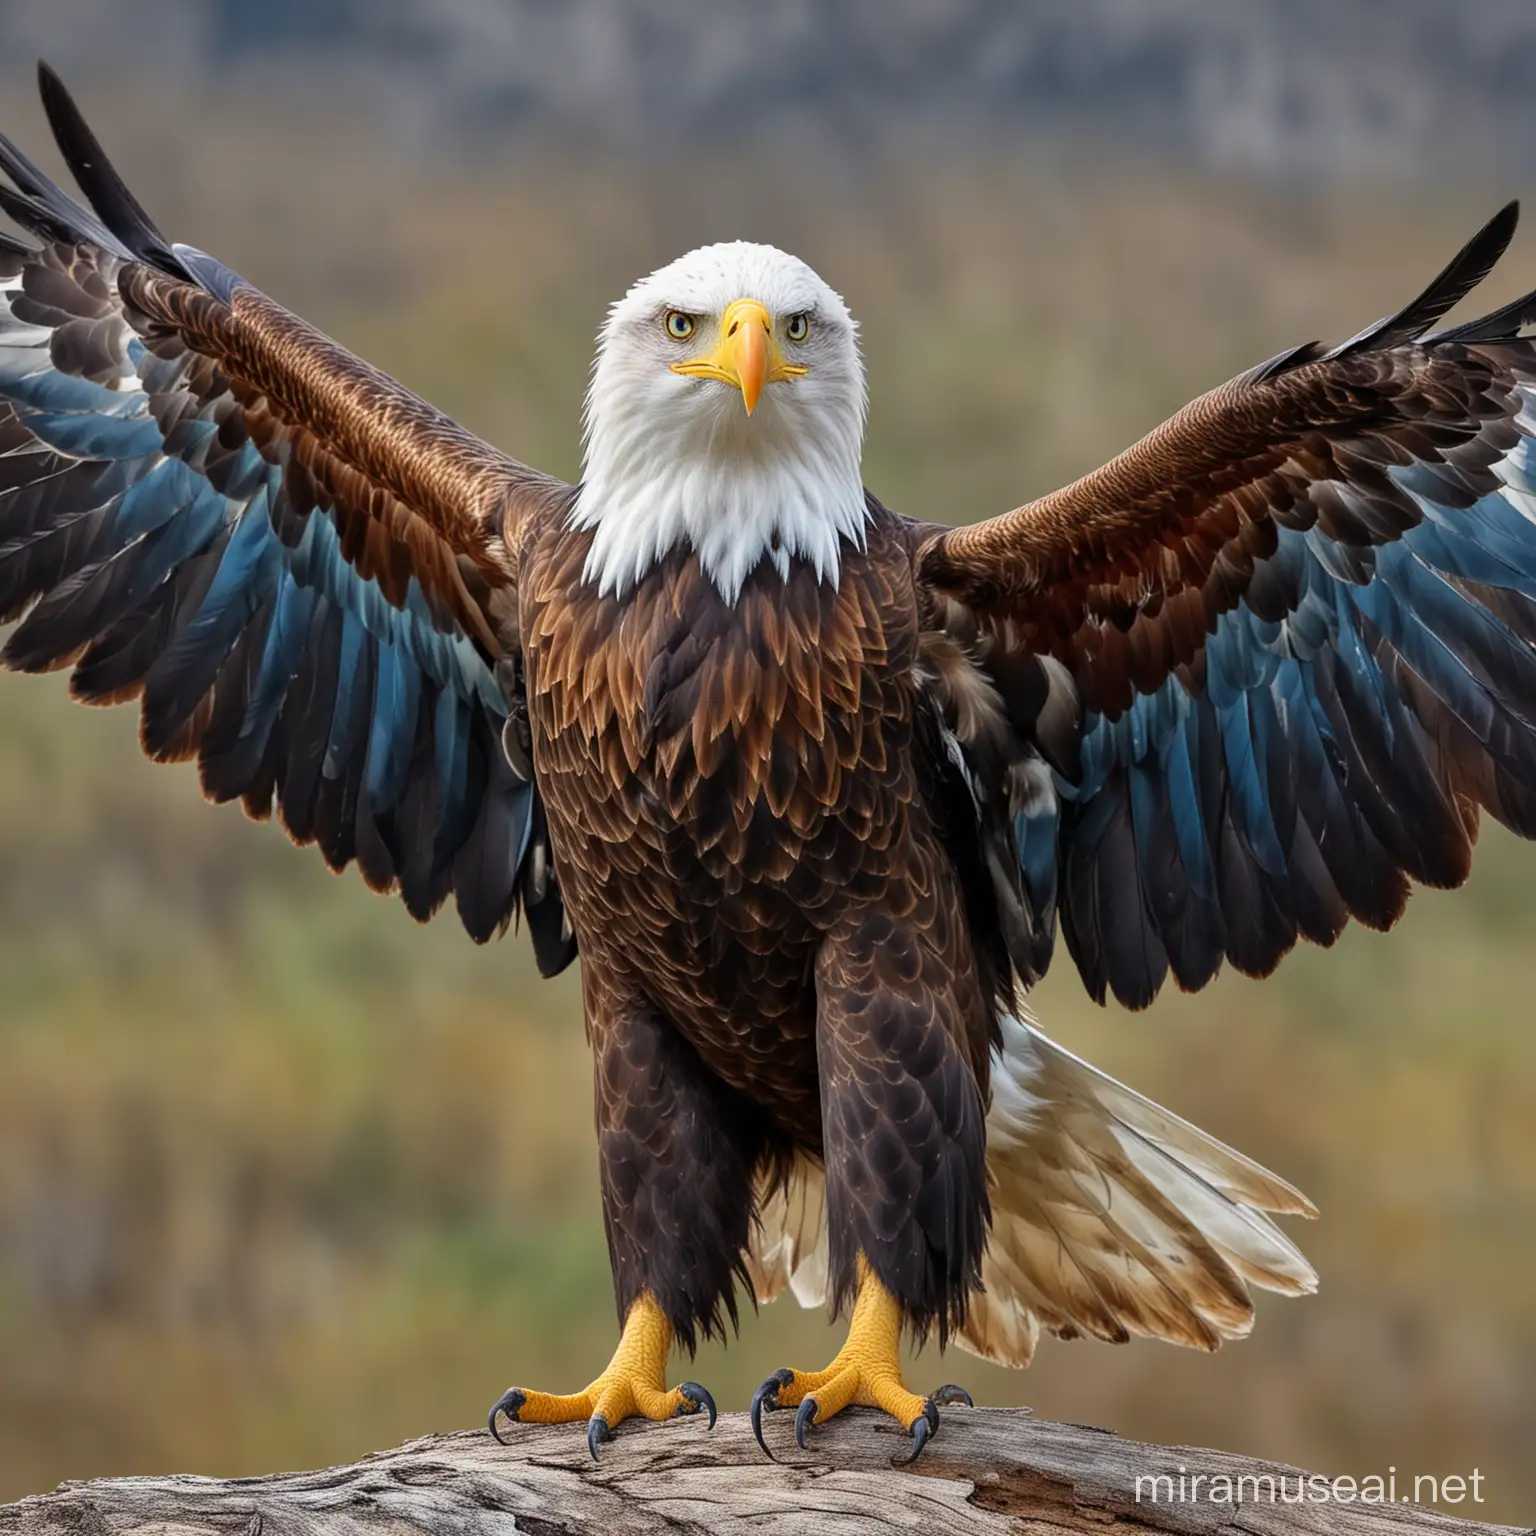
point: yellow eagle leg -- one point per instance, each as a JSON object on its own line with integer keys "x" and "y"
{"x": 633, "y": 1383}
{"x": 866, "y": 1370}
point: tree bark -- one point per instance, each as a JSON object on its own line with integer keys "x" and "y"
{"x": 989, "y": 1471}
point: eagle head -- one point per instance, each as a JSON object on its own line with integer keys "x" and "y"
{"x": 725, "y": 415}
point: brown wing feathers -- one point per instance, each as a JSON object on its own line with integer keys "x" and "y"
{"x": 1126, "y": 518}
{"x": 414, "y": 496}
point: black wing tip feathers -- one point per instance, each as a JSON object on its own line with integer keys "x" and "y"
{"x": 116, "y": 220}
{"x": 1464, "y": 272}
{"x": 1479, "y": 256}
{"x": 33, "y": 216}
{"x": 1460, "y": 275}
{"x": 1510, "y": 212}
{"x": 40, "y": 206}
{"x": 1502, "y": 325}
{"x": 1284, "y": 362}
{"x": 118, "y": 209}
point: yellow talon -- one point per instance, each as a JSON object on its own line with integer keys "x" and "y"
{"x": 633, "y": 1383}
{"x": 866, "y": 1370}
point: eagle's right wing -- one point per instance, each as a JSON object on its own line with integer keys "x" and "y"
{"x": 305, "y": 574}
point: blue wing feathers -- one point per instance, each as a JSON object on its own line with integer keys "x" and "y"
{"x": 1347, "y": 712}
{"x": 451, "y": 743}
{"x": 247, "y": 567}
{"x": 396, "y": 706}
{"x": 307, "y": 711}
{"x": 282, "y": 656}
{"x": 48, "y": 393}
{"x": 354, "y": 672}
{"x": 95, "y": 436}
{"x": 1250, "y": 789}
{"x": 141, "y": 537}
{"x": 1035, "y": 839}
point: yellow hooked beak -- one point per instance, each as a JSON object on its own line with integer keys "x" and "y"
{"x": 748, "y": 356}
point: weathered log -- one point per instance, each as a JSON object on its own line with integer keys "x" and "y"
{"x": 990, "y": 1470}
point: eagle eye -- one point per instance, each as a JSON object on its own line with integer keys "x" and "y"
{"x": 679, "y": 325}
{"x": 799, "y": 327}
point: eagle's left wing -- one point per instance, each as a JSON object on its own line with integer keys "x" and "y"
{"x": 305, "y": 574}
{"x": 1264, "y": 668}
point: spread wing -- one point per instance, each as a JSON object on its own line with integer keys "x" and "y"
{"x": 1266, "y": 667}
{"x": 303, "y": 572}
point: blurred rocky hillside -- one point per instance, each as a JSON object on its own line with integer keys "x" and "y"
{"x": 1279, "y": 88}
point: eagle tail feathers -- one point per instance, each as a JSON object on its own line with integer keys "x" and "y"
{"x": 1112, "y": 1216}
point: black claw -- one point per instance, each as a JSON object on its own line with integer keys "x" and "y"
{"x": 923, "y": 1427}
{"x": 767, "y": 1396}
{"x": 508, "y": 1403}
{"x": 805, "y": 1416}
{"x": 699, "y": 1397}
{"x": 597, "y": 1432}
{"x": 946, "y": 1396}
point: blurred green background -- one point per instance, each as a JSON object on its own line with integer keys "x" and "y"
{"x": 285, "y": 1178}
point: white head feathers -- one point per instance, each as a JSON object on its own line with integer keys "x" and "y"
{"x": 673, "y": 460}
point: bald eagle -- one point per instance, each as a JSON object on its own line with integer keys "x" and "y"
{"x": 811, "y": 786}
